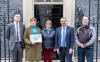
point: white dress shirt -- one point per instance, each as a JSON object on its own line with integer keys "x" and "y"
{"x": 17, "y": 30}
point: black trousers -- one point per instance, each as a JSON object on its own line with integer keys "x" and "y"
{"x": 64, "y": 55}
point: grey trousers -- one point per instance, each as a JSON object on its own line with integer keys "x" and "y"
{"x": 17, "y": 53}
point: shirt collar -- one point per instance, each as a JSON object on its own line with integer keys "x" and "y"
{"x": 16, "y": 23}
{"x": 63, "y": 27}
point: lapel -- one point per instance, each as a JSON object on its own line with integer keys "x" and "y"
{"x": 39, "y": 31}
{"x": 13, "y": 30}
{"x": 60, "y": 31}
{"x": 60, "y": 34}
{"x": 67, "y": 31}
{"x": 13, "y": 27}
{"x": 30, "y": 29}
{"x": 20, "y": 26}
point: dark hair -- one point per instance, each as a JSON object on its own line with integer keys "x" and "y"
{"x": 63, "y": 18}
{"x": 84, "y": 16}
{"x": 17, "y": 14}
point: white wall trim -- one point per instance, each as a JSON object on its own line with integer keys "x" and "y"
{"x": 68, "y": 10}
{"x": 55, "y": 3}
{"x": 27, "y": 11}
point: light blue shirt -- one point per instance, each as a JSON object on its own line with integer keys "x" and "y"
{"x": 63, "y": 35}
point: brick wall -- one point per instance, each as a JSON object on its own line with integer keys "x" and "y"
{"x": 83, "y": 6}
{"x": 14, "y": 6}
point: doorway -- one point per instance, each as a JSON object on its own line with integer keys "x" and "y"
{"x": 51, "y": 12}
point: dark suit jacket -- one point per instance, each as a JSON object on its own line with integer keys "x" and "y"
{"x": 69, "y": 37}
{"x": 11, "y": 34}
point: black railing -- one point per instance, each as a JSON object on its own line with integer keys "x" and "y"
{"x": 4, "y": 26}
{"x": 0, "y": 43}
{"x": 97, "y": 32}
{"x": 8, "y": 22}
{"x": 95, "y": 22}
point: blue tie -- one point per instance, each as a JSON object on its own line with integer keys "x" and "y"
{"x": 63, "y": 43}
{"x": 64, "y": 35}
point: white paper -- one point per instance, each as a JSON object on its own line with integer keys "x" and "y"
{"x": 36, "y": 38}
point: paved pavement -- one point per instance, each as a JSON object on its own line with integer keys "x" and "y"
{"x": 24, "y": 61}
{"x": 74, "y": 60}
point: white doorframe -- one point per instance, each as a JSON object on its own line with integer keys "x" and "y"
{"x": 53, "y": 3}
{"x": 68, "y": 10}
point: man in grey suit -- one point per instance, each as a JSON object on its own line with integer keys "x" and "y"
{"x": 15, "y": 33}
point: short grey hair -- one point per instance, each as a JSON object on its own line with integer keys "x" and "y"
{"x": 49, "y": 21}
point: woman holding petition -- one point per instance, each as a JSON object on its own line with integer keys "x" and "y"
{"x": 48, "y": 41}
{"x": 32, "y": 50}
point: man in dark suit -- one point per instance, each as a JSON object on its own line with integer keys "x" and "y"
{"x": 15, "y": 33}
{"x": 64, "y": 39}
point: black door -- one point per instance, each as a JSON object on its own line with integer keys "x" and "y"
{"x": 51, "y": 12}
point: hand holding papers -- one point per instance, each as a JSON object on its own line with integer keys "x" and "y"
{"x": 35, "y": 38}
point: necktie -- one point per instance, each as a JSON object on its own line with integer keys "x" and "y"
{"x": 17, "y": 32}
{"x": 64, "y": 35}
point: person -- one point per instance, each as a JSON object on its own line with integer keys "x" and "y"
{"x": 85, "y": 38}
{"x": 32, "y": 50}
{"x": 15, "y": 35}
{"x": 64, "y": 39}
{"x": 48, "y": 41}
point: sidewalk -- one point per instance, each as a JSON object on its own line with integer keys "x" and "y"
{"x": 53, "y": 60}
{"x": 23, "y": 61}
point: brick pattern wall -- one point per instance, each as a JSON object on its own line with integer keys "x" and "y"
{"x": 82, "y": 8}
{"x": 14, "y": 6}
